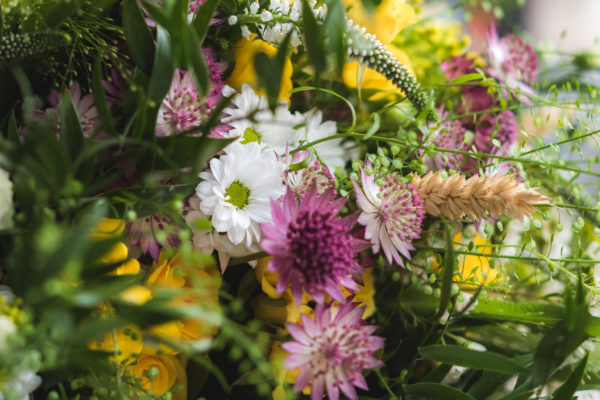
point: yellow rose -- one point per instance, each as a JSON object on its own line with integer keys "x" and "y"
{"x": 371, "y": 79}
{"x": 245, "y": 51}
{"x": 204, "y": 280}
{"x": 161, "y": 373}
{"x": 386, "y": 21}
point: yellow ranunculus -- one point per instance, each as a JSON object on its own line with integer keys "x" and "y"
{"x": 245, "y": 51}
{"x": 108, "y": 227}
{"x": 129, "y": 343}
{"x": 203, "y": 280}
{"x": 165, "y": 372}
{"x": 371, "y": 79}
{"x": 386, "y": 21}
{"x": 112, "y": 228}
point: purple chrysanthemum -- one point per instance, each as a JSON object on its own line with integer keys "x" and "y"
{"x": 392, "y": 215}
{"x": 153, "y": 232}
{"x": 312, "y": 246}
{"x": 512, "y": 61}
{"x": 501, "y": 126}
{"x": 332, "y": 351}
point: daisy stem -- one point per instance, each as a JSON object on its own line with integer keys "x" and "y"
{"x": 245, "y": 259}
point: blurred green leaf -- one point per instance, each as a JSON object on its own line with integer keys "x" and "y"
{"x": 59, "y": 11}
{"x": 100, "y": 102}
{"x": 196, "y": 61}
{"x": 162, "y": 70}
{"x": 71, "y": 134}
{"x": 483, "y": 360}
{"x": 138, "y": 36}
{"x": 437, "y": 374}
{"x": 467, "y": 78}
{"x": 448, "y": 273}
{"x": 527, "y": 312}
{"x": 270, "y": 71}
{"x": 335, "y": 26}
{"x": 202, "y": 18}
{"x": 566, "y": 391}
{"x": 427, "y": 390}
{"x": 313, "y": 42}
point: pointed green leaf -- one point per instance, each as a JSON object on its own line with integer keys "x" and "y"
{"x": 313, "y": 39}
{"x": 100, "y": 102}
{"x": 566, "y": 391}
{"x": 71, "y": 134}
{"x": 162, "y": 70}
{"x": 138, "y": 36}
{"x": 482, "y": 360}
{"x": 202, "y": 18}
{"x": 448, "y": 273}
{"x": 428, "y": 390}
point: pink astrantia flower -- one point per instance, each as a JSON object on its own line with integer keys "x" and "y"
{"x": 392, "y": 215}
{"x": 183, "y": 109}
{"x": 501, "y": 126}
{"x": 152, "y": 233}
{"x": 332, "y": 351}
{"x": 446, "y": 135}
{"x": 312, "y": 246}
{"x": 512, "y": 61}
{"x": 314, "y": 173}
{"x": 84, "y": 106}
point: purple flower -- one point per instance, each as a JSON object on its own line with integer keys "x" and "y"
{"x": 446, "y": 135}
{"x": 314, "y": 173}
{"x": 458, "y": 66}
{"x": 116, "y": 88}
{"x": 153, "y": 232}
{"x": 84, "y": 106}
{"x": 502, "y": 127}
{"x": 312, "y": 246}
{"x": 392, "y": 215}
{"x": 512, "y": 61}
{"x": 332, "y": 351}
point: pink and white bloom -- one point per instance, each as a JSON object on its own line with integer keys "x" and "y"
{"x": 84, "y": 106}
{"x": 312, "y": 247}
{"x": 332, "y": 350}
{"x": 392, "y": 215}
{"x": 237, "y": 191}
{"x": 512, "y": 61}
{"x": 153, "y": 232}
{"x": 446, "y": 135}
{"x": 181, "y": 109}
{"x": 313, "y": 173}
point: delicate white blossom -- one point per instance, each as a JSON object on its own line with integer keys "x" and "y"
{"x": 6, "y": 201}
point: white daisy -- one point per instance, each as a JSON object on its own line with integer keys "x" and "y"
{"x": 237, "y": 191}
{"x": 207, "y": 241}
{"x": 329, "y": 151}
{"x": 252, "y": 121}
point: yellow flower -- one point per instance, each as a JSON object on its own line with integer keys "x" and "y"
{"x": 281, "y": 374}
{"x": 364, "y": 296}
{"x": 112, "y": 228}
{"x": 368, "y": 78}
{"x": 245, "y": 51}
{"x": 475, "y": 270}
{"x": 108, "y": 227}
{"x": 161, "y": 373}
{"x": 277, "y": 309}
{"x": 386, "y": 21}
{"x": 129, "y": 343}
{"x": 202, "y": 281}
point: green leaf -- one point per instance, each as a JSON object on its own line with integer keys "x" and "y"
{"x": 335, "y": 25}
{"x": 138, "y": 36}
{"x": 448, "y": 273}
{"x": 71, "y": 134}
{"x": 100, "y": 102}
{"x": 374, "y": 127}
{"x": 566, "y": 391}
{"x": 202, "y": 18}
{"x": 59, "y": 12}
{"x": 162, "y": 70}
{"x": 467, "y": 78}
{"x": 488, "y": 384}
{"x": 436, "y": 391}
{"x": 270, "y": 71}
{"x": 519, "y": 396}
{"x": 157, "y": 14}
{"x": 483, "y": 360}
{"x": 196, "y": 61}
{"x": 438, "y": 374}
{"x": 13, "y": 130}
{"x": 313, "y": 39}
{"x": 526, "y": 312}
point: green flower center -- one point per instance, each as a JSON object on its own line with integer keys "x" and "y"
{"x": 250, "y": 135}
{"x": 238, "y": 194}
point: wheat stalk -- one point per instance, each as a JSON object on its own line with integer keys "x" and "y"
{"x": 477, "y": 196}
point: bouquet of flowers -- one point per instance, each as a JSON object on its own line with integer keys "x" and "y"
{"x": 217, "y": 199}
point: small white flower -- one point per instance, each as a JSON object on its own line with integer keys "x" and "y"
{"x": 266, "y": 16}
{"x": 232, "y": 20}
{"x": 275, "y": 4}
{"x": 19, "y": 386}
{"x": 254, "y": 7}
{"x": 7, "y": 329}
{"x": 252, "y": 121}
{"x": 6, "y": 201}
{"x": 237, "y": 191}
{"x": 284, "y": 7}
{"x": 245, "y": 31}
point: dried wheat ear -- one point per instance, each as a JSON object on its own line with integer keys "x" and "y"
{"x": 477, "y": 196}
